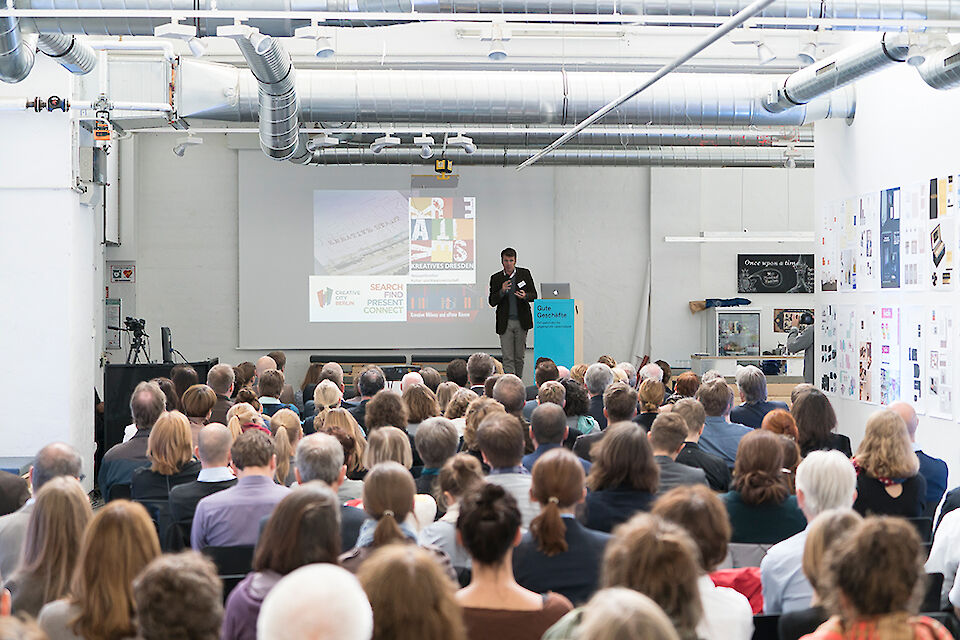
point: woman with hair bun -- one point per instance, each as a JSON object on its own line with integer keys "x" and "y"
{"x": 760, "y": 506}
{"x": 558, "y": 553}
{"x": 458, "y": 476}
{"x": 494, "y": 605}
{"x": 388, "y": 495}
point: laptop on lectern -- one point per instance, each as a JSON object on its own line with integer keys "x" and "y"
{"x": 555, "y": 290}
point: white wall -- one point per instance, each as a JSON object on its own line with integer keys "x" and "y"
{"x": 904, "y": 132}
{"x": 184, "y": 215}
{"x": 684, "y": 202}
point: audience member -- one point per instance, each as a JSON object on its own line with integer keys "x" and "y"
{"x": 119, "y": 463}
{"x": 888, "y": 482}
{"x": 667, "y": 377}
{"x": 370, "y": 381}
{"x": 619, "y": 613}
{"x": 409, "y": 379}
{"x": 651, "y": 397}
{"x": 198, "y": 402}
{"x": 215, "y": 475}
{"x": 824, "y": 532}
{"x": 14, "y": 492}
{"x": 431, "y": 378}
{"x": 221, "y": 379}
{"x": 457, "y": 372}
{"x": 421, "y": 404}
{"x": 880, "y": 602}
{"x": 286, "y": 431}
{"x": 244, "y": 375}
{"x": 388, "y": 497}
{"x": 327, "y": 396}
{"x": 816, "y": 422}
{"x": 509, "y": 391}
{"x": 933, "y": 470}
{"x": 179, "y": 597}
{"x": 385, "y": 409}
{"x": 726, "y": 613}
{"x": 490, "y": 383}
{"x": 791, "y": 460}
{"x": 558, "y": 553}
{"x": 12, "y": 628}
{"x": 624, "y": 477}
{"x": 619, "y": 405}
{"x": 270, "y": 386}
{"x": 578, "y": 372}
{"x": 354, "y": 455}
{"x": 650, "y": 371}
{"x": 456, "y": 410}
{"x": 548, "y": 430}
{"x": 307, "y": 388}
{"x": 437, "y": 442}
{"x": 459, "y": 475}
{"x": 476, "y": 412}
{"x": 287, "y": 395}
{"x": 781, "y": 422}
{"x": 799, "y": 390}
{"x": 500, "y": 437}
{"x": 303, "y": 529}
{"x": 494, "y": 605}
{"x": 183, "y": 377}
{"x": 596, "y": 379}
{"x": 352, "y": 487}
{"x": 546, "y": 371}
{"x": 170, "y": 451}
{"x": 117, "y": 544}
{"x": 319, "y": 602}
{"x": 52, "y": 546}
{"x": 719, "y": 437}
{"x": 825, "y": 480}
{"x": 248, "y": 397}
{"x": 716, "y": 470}
{"x": 264, "y": 364}
{"x": 320, "y": 459}
{"x": 445, "y": 392}
{"x": 52, "y": 461}
{"x": 389, "y": 444}
{"x": 576, "y": 404}
{"x": 710, "y": 375}
{"x": 231, "y": 518}
{"x": 411, "y": 596}
{"x": 685, "y": 386}
{"x": 480, "y": 366}
{"x": 631, "y": 372}
{"x": 753, "y": 395}
{"x": 667, "y": 436}
{"x": 759, "y": 503}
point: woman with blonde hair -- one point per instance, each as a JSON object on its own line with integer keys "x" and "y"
{"x": 421, "y": 404}
{"x": 350, "y": 488}
{"x": 243, "y": 416}
{"x": 558, "y": 553}
{"x": 445, "y": 392}
{"x": 651, "y": 397}
{"x": 117, "y": 544}
{"x": 618, "y": 613}
{"x": 51, "y": 547}
{"x": 286, "y": 431}
{"x": 476, "y": 412}
{"x": 578, "y": 371}
{"x": 326, "y": 397}
{"x": 388, "y": 497}
{"x": 411, "y": 596}
{"x": 198, "y": 402}
{"x": 342, "y": 418}
{"x": 456, "y": 410}
{"x": 389, "y": 444}
{"x": 170, "y": 451}
{"x": 888, "y": 482}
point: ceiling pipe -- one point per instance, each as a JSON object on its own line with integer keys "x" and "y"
{"x": 941, "y": 70}
{"x": 839, "y": 70}
{"x": 16, "y": 53}
{"x": 636, "y": 157}
{"x": 73, "y": 55}
{"x": 225, "y": 93}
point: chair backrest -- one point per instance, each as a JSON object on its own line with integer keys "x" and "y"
{"x": 931, "y": 597}
{"x": 744, "y": 554}
{"x": 765, "y": 627}
{"x": 924, "y": 526}
{"x": 233, "y": 564}
{"x": 119, "y": 492}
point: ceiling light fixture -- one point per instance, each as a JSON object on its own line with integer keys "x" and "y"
{"x": 808, "y": 52}
{"x": 182, "y": 143}
{"x": 383, "y": 142}
{"x": 322, "y": 141}
{"x": 425, "y": 143}
{"x": 498, "y": 34}
{"x": 322, "y": 40}
{"x": 463, "y": 142}
{"x": 765, "y": 54}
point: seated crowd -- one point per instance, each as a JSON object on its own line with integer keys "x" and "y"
{"x": 604, "y": 502}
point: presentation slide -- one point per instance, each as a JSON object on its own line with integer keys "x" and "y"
{"x": 384, "y": 256}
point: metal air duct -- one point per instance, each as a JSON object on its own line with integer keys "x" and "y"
{"x": 220, "y": 92}
{"x": 942, "y": 70}
{"x": 837, "y": 71}
{"x": 277, "y": 102}
{"x": 16, "y": 53}
{"x": 637, "y": 157}
{"x": 75, "y": 56}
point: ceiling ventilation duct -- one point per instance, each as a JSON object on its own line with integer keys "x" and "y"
{"x": 942, "y": 70}
{"x": 16, "y": 53}
{"x": 73, "y": 55}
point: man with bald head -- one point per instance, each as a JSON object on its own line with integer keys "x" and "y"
{"x": 52, "y": 461}
{"x": 213, "y": 450}
{"x": 548, "y": 430}
{"x": 409, "y": 379}
{"x": 933, "y": 470}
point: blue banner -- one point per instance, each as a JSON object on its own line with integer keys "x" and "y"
{"x": 553, "y": 331}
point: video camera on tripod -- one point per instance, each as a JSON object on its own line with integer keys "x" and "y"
{"x": 139, "y": 339}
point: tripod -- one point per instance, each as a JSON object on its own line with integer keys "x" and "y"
{"x": 138, "y": 347}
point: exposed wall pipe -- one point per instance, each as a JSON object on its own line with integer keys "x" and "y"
{"x": 16, "y": 52}
{"x": 510, "y": 157}
{"x": 220, "y": 92}
{"x": 117, "y": 45}
{"x": 73, "y": 55}
{"x": 838, "y": 70}
{"x": 942, "y": 69}
{"x": 278, "y": 105}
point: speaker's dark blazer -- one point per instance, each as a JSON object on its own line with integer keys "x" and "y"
{"x": 502, "y": 303}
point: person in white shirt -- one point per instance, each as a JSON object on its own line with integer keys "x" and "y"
{"x": 825, "y": 480}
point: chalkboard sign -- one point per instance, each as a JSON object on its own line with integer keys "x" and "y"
{"x": 775, "y": 273}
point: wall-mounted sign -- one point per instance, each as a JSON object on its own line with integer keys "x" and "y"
{"x": 123, "y": 273}
{"x": 775, "y": 273}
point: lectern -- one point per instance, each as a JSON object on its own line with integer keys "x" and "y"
{"x": 557, "y": 331}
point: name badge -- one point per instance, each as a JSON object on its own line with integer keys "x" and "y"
{"x": 521, "y": 283}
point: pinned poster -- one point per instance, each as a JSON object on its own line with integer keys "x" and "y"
{"x": 868, "y": 228}
{"x": 829, "y": 258}
{"x": 889, "y": 355}
{"x": 867, "y": 357}
{"x": 828, "y": 349}
{"x": 912, "y": 358}
{"x": 939, "y": 337}
{"x": 847, "y": 245}
{"x": 913, "y": 232}
{"x": 847, "y": 351}
{"x": 942, "y": 227}
{"x": 890, "y": 239}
